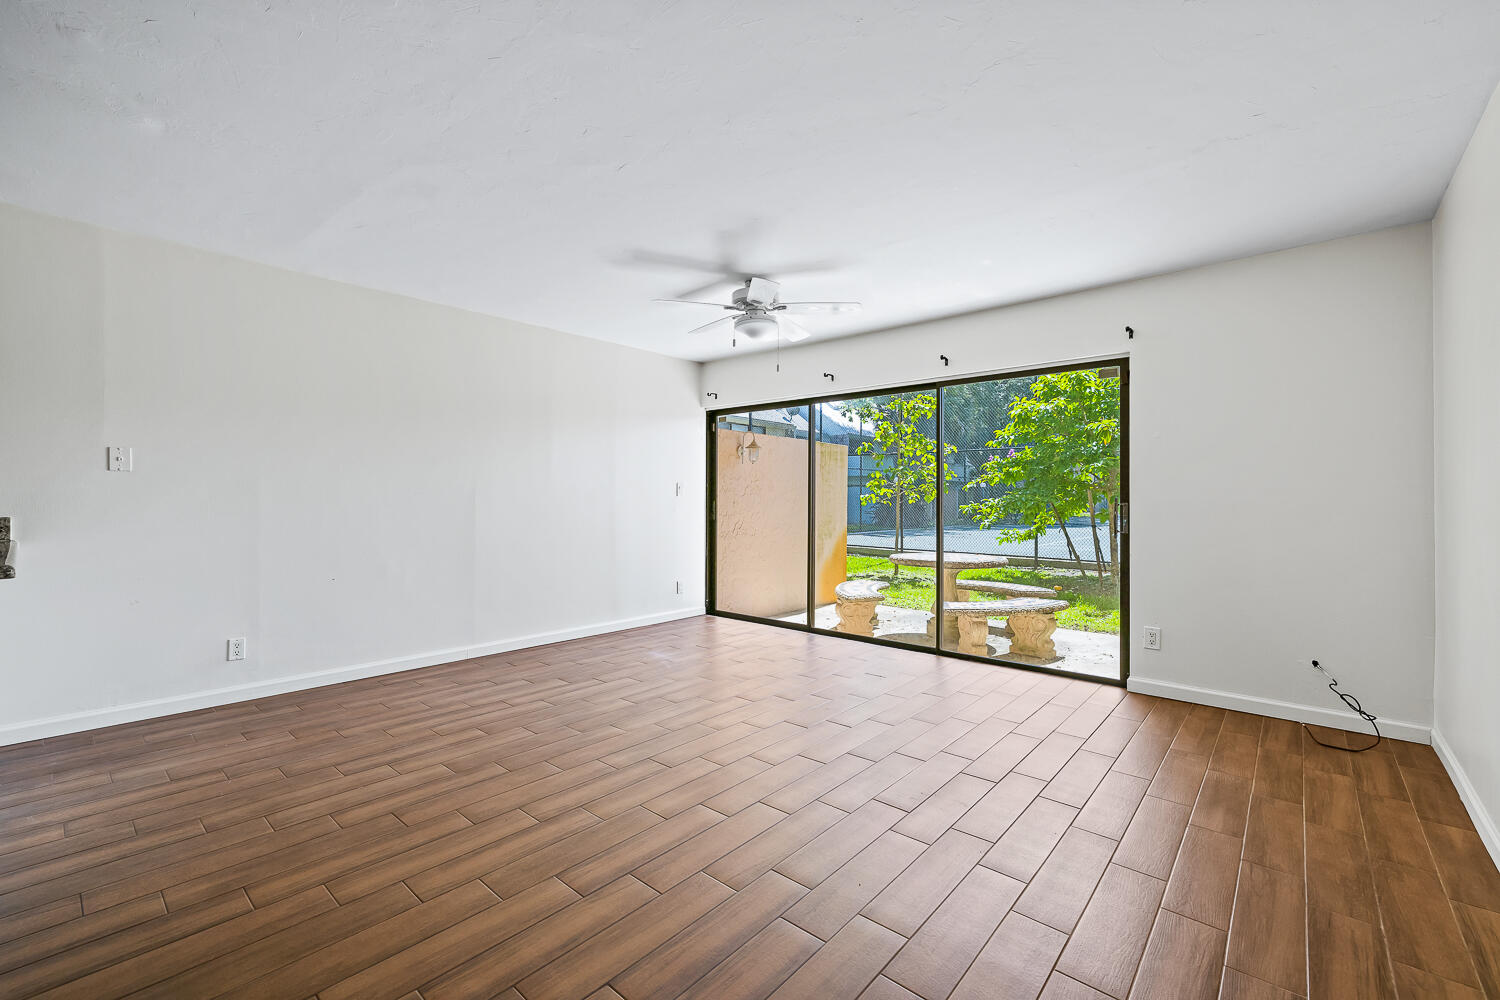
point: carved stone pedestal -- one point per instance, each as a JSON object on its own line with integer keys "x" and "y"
{"x": 857, "y": 601}
{"x": 1031, "y": 635}
{"x": 973, "y": 635}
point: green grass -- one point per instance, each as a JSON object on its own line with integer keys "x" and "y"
{"x": 1094, "y": 603}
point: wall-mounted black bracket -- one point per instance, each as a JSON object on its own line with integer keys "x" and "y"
{"x": 7, "y": 571}
{"x": 1130, "y": 332}
{"x": 828, "y": 376}
{"x": 711, "y": 395}
{"x": 945, "y": 359}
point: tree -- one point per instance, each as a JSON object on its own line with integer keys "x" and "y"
{"x": 907, "y": 454}
{"x": 1057, "y": 458}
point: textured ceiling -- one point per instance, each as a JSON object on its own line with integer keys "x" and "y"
{"x": 545, "y": 161}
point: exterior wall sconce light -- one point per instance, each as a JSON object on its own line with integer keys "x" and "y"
{"x": 7, "y": 570}
{"x": 750, "y": 451}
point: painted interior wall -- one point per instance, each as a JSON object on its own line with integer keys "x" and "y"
{"x": 353, "y": 480}
{"x": 1466, "y": 362}
{"x": 1281, "y": 486}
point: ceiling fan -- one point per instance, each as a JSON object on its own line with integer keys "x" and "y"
{"x": 761, "y": 313}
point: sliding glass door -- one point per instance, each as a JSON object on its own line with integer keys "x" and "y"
{"x": 1034, "y": 470}
{"x": 983, "y": 518}
{"x": 760, "y": 513}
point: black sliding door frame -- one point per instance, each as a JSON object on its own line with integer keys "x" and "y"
{"x": 812, "y": 406}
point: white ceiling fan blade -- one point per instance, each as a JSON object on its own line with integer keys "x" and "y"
{"x": 709, "y": 326}
{"x": 722, "y": 284}
{"x": 820, "y": 307}
{"x": 762, "y": 291}
{"x": 695, "y": 302}
{"x": 793, "y": 330}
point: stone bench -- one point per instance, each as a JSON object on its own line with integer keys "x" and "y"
{"x": 857, "y": 600}
{"x": 1031, "y": 622}
{"x": 1007, "y": 588}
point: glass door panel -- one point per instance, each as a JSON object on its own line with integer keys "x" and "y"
{"x": 877, "y": 474}
{"x": 1032, "y": 485}
{"x": 761, "y": 513}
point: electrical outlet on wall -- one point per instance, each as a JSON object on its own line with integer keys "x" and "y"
{"x": 121, "y": 459}
{"x": 234, "y": 649}
{"x": 1153, "y": 637}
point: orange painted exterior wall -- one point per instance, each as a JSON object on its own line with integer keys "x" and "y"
{"x": 761, "y": 521}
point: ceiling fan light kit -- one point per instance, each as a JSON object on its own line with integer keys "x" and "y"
{"x": 762, "y": 314}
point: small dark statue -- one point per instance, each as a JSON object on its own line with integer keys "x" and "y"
{"x": 6, "y": 569}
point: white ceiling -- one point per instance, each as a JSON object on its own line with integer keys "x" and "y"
{"x": 529, "y": 159}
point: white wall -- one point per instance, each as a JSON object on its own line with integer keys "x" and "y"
{"x": 1281, "y": 489}
{"x": 346, "y": 477}
{"x": 1466, "y": 356}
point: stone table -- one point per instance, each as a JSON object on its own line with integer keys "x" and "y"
{"x": 954, "y": 563}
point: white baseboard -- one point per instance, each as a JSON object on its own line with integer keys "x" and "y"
{"x": 1483, "y": 821}
{"x": 1294, "y": 711}
{"x": 77, "y": 722}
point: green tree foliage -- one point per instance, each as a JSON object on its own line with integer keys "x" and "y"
{"x": 906, "y": 451}
{"x": 1057, "y": 458}
{"x": 971, "y": 412}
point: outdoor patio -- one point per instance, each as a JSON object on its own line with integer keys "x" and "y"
{"x": 1096, "y": 654}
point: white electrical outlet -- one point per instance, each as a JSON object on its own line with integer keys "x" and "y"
{"x": 235, "y": 648}
{"x": 1153, "y": 637}
{"x": 121, "y": 459}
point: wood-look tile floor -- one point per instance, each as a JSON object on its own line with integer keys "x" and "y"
{"x": 714, "y": 809}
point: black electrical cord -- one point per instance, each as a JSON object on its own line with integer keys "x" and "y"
{"x": 1354, "y": 706}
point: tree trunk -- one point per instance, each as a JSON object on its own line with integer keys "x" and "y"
{"x": 1098, "y": 552}
{"x": 900, "y": 538}
{"x": 1094, "y": 534}
{"x": 1072, "y": 550}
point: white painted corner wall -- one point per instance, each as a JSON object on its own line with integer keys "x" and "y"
{"x": 1466, "y": 362}
{"x": 1281, "y": 481}
{"x": 355, "y": 481}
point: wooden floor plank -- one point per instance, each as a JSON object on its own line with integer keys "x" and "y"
{"x": 501, "y": 965}
{"x": 672, "y": 967}
{"x": 1267, "y": 935}
{"x": 1184, "y": 959}
{"x": 846, "y": 964}
{"x": 1105, "y": 948}
{"x": 836, "y": 900}
{"x": 925, "y": 883}
{"x": 1014, "y": 964}
{"x": 593, "y": 963}
{"x": 931, "y": 963}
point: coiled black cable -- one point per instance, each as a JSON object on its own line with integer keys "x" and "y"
{"x": 1354, "y": 706}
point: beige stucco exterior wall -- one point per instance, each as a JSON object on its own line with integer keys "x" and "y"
{"x": 833, "y": 520}
{"x": 761, "y": 514}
